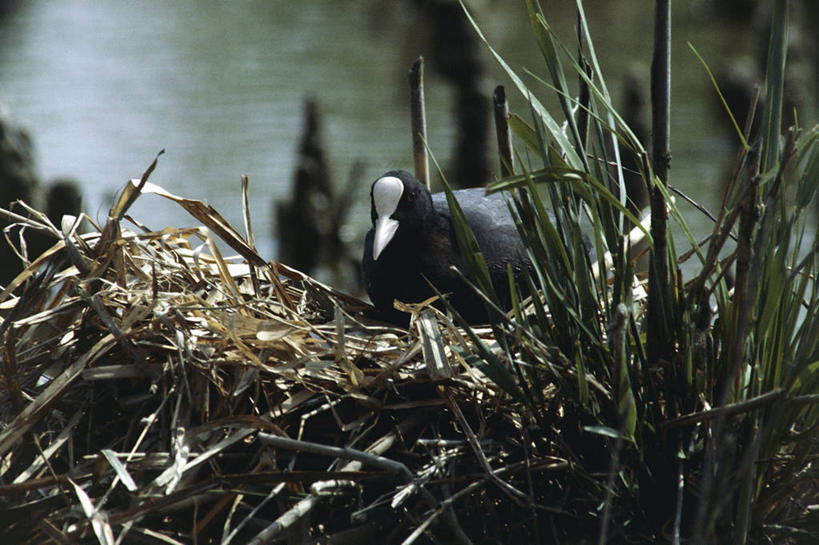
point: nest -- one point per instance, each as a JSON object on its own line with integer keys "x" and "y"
{"x": 154, "y": 391}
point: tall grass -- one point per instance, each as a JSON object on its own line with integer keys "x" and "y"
{"x": 712, "y": 437}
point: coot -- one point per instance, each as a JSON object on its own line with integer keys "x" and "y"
{"x": 413, "y": 239}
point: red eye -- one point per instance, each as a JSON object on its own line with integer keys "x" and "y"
{"x": 412, "y": 196}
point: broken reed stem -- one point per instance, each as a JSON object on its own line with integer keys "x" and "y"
{"x": 373, "y": 460}
{"x": 748, "y": 219}
{"x": 251, "y": 238}
{"x": 391, "y": 466}
{"x": 419, "y": 121}
{"x": 660, "y": 343}
{"x": 507, "y": 488}
{"x": 727, "y": 410}
{"x": 297, "y": 512}
{"x": 584, "y": 91}
{"x": 119, "y": 211}
{"x": 661, "y": 90}
{"x": 501, "y": 111}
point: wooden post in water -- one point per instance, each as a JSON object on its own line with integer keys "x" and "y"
{"x": 419, "y": 121}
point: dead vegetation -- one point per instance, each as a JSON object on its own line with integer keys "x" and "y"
{"x": 154, "y": 391}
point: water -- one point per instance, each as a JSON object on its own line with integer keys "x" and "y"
{"x": 104, "y": 86}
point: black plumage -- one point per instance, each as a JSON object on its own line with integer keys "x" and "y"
{"x": 413, "y": 238}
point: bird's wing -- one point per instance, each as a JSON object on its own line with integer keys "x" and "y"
{"x": 491, "y": 222}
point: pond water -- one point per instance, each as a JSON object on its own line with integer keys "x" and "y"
{"x": 103, "y": 86}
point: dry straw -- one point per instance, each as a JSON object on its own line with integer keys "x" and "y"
{"x": 156, "y": 391}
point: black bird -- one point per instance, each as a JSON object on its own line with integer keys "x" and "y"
{"x": 413, "y": 240}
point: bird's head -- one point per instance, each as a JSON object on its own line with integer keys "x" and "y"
{"x": 398, "y": 201}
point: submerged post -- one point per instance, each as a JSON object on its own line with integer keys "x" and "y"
{"x": 419, "y": 121}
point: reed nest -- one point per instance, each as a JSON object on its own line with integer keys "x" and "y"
{"x": 154, "y": 391}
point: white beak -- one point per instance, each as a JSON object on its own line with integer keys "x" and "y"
{"x": 385, "y": 228}
{"x": 386, "y": 193}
